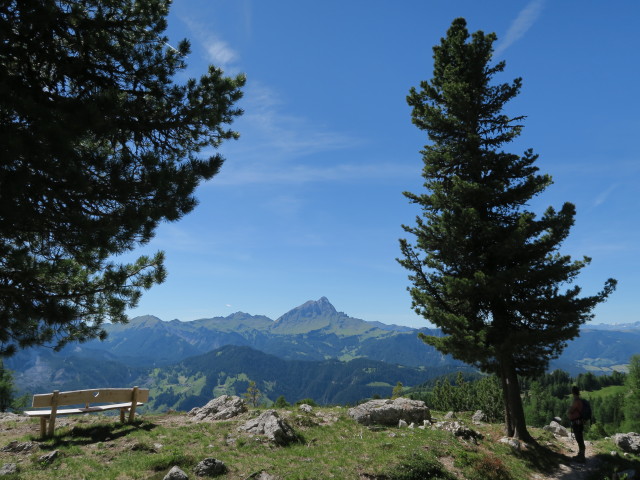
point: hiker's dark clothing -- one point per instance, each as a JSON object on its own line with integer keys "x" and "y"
{"x": 577, "y": 425}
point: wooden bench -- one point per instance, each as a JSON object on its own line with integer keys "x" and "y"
{"x": 80, "y": 401}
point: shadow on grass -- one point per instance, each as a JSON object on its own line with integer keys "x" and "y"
{"x": 90, "y": 434}
{"x": 542, "y": 459}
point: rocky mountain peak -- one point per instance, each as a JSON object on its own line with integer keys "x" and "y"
{"x": 311, "y": 309}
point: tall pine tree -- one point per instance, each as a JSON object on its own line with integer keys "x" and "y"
{"x": 98, "y": 145}
{"x": 485, "y": 269}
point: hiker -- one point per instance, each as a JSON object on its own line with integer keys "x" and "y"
{"x": 577, "y": 425}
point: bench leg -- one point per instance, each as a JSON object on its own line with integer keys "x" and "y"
{"x": 43, "y": 427}
{"x": 122, "y": 410}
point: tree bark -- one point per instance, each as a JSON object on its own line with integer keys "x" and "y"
{"x": 516, "y": 425}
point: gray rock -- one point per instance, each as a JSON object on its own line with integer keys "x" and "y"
{"x": 479, "y": 417}
{"x": 8, "y": 469}
{"x": 390, "y": 412}
{"x": 459, "y": 430}
{"x": 628, "y": 442}
{"x": 49, "y": 457}
{"x": 450, "y": 416}
{"x": 273, "y": 427}
{"x": 16, "y": 447}
{"x": 402, "y": 424}
{"x": 221, "y": 408}
{"x": 306, "y": 408}
{"x": 262, "y": 476}
{"x": 210, "y": 467}
{"x": 176, "y": 474}
{"x": 557, "y": 429}
{"x": 512, "y": 442}
{"x": 12, "y": 417}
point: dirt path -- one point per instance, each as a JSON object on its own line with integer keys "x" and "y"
{"x": 573, "y": 470}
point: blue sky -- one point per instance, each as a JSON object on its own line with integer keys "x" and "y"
{"x": 309, "y": 202}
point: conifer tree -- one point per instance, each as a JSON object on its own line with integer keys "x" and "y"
{"x": 98, "y": 145}
{"x": 253, "y": 394}
{"x": 483, "y": 268}
{"x": 632, "y": 396}
{"x": 7, "y": 388}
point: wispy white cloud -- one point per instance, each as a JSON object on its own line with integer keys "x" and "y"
{"x": 276, "y": 147}
{"x": 288, "y": 173}
{"x": 523, "y": 22}
{"x": 220, "y": 53}
{"x": 600, "y": 199}
{"x": 284, "y": 133}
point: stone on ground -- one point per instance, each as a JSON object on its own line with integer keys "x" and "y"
{"x": 390, "y": 412}
{"x": 222, "y": 408}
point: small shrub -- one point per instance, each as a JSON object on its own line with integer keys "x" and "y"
{"x": 490, "y": 467}
{"x": 281, "y": 402}
{"x": 308, "y": 401}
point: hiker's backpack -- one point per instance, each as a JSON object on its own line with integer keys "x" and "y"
{"x": 585, "y": 413}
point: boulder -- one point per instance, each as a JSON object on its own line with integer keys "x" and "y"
{"x": 306, "y": 408}
{"x": 261, "y": 476}
{"x": 221, "y": 408}
{"x": 210, "y": 467}
{"x": 271, "y": 426}
{"x": 628, "y": 442}
{"x": 479, "y": 417}
{"x": 459, "y": 430}
{"x": 557, "y": 429}
{"x": 402, "y": 424}
{"x": 20, "y": 447}
{"x": 512, "y": 442}
{"x": 49, "y": 457}
{"x": 8, "y": 469}
{"x": 176, "y": 474}
{"x": 450, "y": 416}
{"x": 390, "y": 412}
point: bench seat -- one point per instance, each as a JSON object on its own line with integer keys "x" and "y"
{"x": 64, "y": 403}
{"x": 78, "y": 411}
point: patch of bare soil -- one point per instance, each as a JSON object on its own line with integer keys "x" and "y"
{"x": 573, "y": 470}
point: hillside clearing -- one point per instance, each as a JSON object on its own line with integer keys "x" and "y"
{"x": 332, "y": 446}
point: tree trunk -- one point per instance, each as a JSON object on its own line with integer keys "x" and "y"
{"x": 516, "y": 425}
{"x": 508, "y": 425}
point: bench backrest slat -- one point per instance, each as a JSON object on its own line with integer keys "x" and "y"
{"x": 98, "y": 395}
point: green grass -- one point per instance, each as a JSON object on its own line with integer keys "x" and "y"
{"x": 606, "y": 391}
{"x": 99, "y": 448}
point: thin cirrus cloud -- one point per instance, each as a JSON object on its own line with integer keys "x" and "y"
{"x": 275, "y": 146}
{"x": 523, "y": 22}
{"x": 602, "y": 197}
{"x": 219, "y": 52}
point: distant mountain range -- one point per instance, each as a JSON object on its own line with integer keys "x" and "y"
{"x": 312, "y": 351}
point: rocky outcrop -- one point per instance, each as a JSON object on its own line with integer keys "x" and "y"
{"x": 210, "y": 467}
{"x": 8, "y": 469}
{"x": 459, "y": 430}
{"x": 390, "y": 412}
{"x": 20, "y": 447}
{"x": 557, "y": 429}
{"x": 221, "y": 408}
{"x": 628, "y": 442}
{"x": 176, "y": 474}
{"x": 49, "y": 457}
{"x": 271, "y": 426}
{"x": 479, "y": 417}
